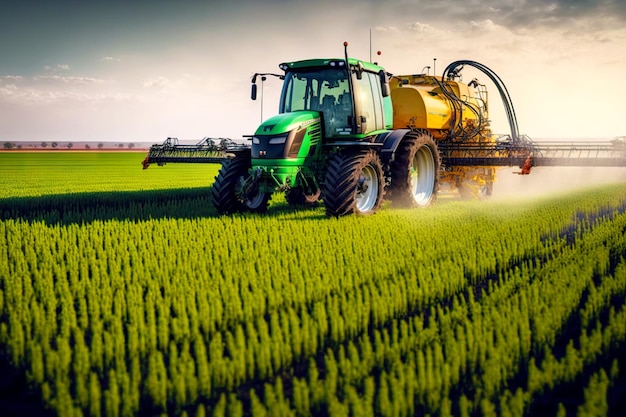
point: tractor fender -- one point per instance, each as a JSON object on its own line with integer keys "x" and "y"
{"x": 391, "y": 141}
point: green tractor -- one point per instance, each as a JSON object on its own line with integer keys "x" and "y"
{"x": 333, "y": 140}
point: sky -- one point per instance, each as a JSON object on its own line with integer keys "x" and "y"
{"x": 145, "y": 70}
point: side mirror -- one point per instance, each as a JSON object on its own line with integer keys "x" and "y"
{"x": 359, "y": 71}
{"x": 253, "y": 92}
{"x": 384, "y": 84}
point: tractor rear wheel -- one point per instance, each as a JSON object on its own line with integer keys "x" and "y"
{"x": 415, "y": 172}
{"x": 354, "y": 184}
{"x": 227, "y": 189}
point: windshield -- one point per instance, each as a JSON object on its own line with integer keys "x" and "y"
{"x": 325, "y": 90}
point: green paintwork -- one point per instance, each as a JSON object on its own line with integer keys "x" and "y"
{"x": 285, "y": 122}
{"x": 325, "y": 62}
{"x": 308, "y": 166}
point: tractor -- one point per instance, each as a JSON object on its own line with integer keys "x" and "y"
{"x": 334, "y": 140}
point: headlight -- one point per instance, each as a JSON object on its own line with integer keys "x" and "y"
{"x": 277, "y": 140}
{"x": 256, "y": 141}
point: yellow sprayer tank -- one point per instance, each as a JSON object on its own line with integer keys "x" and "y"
{"x": 419, "y": 103}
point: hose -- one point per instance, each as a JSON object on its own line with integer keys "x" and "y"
{"x": 452, "y": 70}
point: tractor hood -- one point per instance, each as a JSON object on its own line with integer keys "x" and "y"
{"x": 286, "y": 122}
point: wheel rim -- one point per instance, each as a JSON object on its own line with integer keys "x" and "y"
{"x": 367, "y": 191}
{"x": 256, "y": 201}
{"x": 251, "y": 201}
{"x": 423, "y": 176}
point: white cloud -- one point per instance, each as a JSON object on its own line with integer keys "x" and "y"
{"x": 386, "y": 29}
{"x": 156, "y": 82}
{"x": 58, "y": 67}
{"x": 8, "y": 90}
{"x": 186, "y": 84}
{"x": 70, "y": 80}
{"x": 18, "y": 95}
{"x": 421, "y": 27}
{"x": 485, "y": 25}
{"x": 110, "y": 59}
{"x": 11, "y": 77}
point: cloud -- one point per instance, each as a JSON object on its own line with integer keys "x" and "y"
{"x": 12, "y": 93}
{"x": 516, "y": 14}
{"x": 55, "y": 89}
{"x": 70, "y": 80}
{"x": 386, "y": 29}
{"x": 58, "y": 67}
{"x": 110, "y": 59}
{"x": 597, "y": 14}
{"x": 8, "y": 90}
{"x": 420, "y": 27}
{"x": 484, "y": 25}
{"x": 11, "y": 77}
{"x": 156, "y": 82}
{"x": 185, "y": 83}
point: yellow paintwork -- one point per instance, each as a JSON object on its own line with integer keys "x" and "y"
{"x": 418, "y": 109}
{"x": 419, "y": 103}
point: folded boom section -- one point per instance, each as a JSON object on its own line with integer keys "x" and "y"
{"x": 208, "y": 150}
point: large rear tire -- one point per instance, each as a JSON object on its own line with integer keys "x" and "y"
{"x": 415, "y": 172}
{"x": 228, "y": 185}
{"x": 354, "y": 184}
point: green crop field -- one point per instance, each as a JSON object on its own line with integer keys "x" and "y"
{"x": 123, "y": 293}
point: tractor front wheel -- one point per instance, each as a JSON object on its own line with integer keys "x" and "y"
{"x": 228, "y": 195}
{"x": 354, "y": 184}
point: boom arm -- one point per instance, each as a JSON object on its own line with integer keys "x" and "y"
{"x": 515, "y": 153}
{"x": 206, "y": 151}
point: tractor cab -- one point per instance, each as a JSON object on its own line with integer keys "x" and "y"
{"x": 327, "y": 86}
{"x": 353, "y": 102}
{"x": 322, "y": 89}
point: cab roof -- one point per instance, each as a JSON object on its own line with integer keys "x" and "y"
{"x": 329, "y": 62}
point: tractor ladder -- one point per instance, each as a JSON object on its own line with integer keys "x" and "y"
{"x": 206, "y": 151}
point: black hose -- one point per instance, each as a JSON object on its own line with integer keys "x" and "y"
{"x": 457, "y": 108}
{"x": 452, "y": 70}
